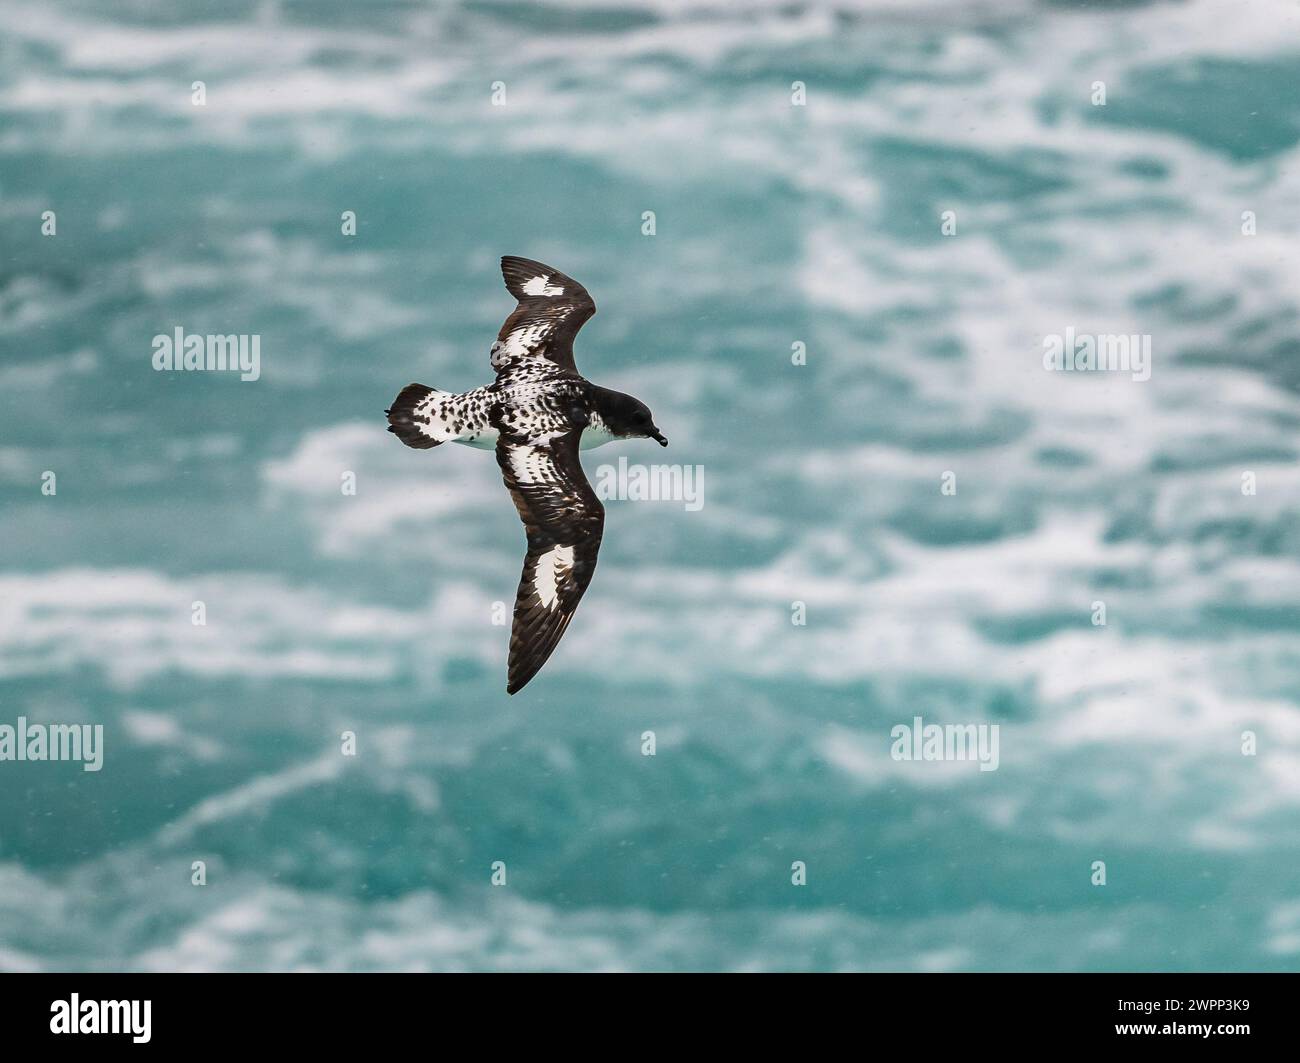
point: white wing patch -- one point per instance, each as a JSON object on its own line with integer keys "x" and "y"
{"x": 524, "y": 341}
{"x": 531, "y": 465}
{"x": 552, "y": 566}
{"x": 538, "y": 286}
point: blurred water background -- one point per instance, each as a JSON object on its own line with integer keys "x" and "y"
{"x": 775, "y": 225}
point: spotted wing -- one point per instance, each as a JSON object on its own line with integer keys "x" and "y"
{"x": 564, "y": 521}
{"x": 551, "y": 309}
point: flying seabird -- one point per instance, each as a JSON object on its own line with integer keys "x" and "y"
{"x": 537, "y": 414}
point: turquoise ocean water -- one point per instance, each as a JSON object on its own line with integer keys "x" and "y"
{"x": 775, "y": 225}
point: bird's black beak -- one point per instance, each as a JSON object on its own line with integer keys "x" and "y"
{"x": 654, "y": 433}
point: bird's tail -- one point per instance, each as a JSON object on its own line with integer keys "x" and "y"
{"x": 414, "y": 417}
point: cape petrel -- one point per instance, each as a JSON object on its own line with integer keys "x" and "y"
{"x": 537, "y": 415}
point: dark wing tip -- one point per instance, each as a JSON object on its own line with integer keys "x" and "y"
{"x": 527, "y": 278}
{"x": 518, "y": 272}
{"x": 512, "y": 263}
{"x": 536, "y": 634}
{"x": 516, "y": 266}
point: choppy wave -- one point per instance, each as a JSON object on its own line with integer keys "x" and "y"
{"x": 775, "y": 225}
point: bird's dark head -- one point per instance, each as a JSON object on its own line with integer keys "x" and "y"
{"x": 627, "y": 417}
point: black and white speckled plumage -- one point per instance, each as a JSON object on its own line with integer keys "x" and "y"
{"x": 537, "y": 415}
{"x": 423, "y": 417}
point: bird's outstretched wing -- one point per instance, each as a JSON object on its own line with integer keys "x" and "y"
{"x": 564, "y": 521}
{"x": 552, "y": 307}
